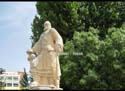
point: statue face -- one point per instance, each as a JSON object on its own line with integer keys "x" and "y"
{"x": 47, "y": 25}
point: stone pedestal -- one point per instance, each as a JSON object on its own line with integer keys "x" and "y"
{"x": 44, "y": 87}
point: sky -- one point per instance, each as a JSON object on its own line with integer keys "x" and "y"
{"x": 15, "y": 32}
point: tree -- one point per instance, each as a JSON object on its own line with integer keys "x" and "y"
{"x": 100, "y": 67}
{"x": 36, "y": 29}
{"x": 68, "y": 17}
{"x": 62, "y": 15}
{"x": 102, "y": 15}
{"x": 24, "y": 81}
{"x": 94, "y": 29}
{"x": 2, "y": 70}
{"x": 2, "y": 85}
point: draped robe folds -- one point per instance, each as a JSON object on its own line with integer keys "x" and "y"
{"x": 47, "y": 48}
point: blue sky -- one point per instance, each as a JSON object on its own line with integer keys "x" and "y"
{"x": 15, "y": 32}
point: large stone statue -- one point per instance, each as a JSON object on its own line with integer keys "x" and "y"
{"x": 44, "y": 58}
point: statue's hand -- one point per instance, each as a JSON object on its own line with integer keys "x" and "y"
{"x": 29, "y": 52}
{"x": 31, "y": 57}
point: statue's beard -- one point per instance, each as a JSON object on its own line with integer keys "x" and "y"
{"x": 47, "y": 28}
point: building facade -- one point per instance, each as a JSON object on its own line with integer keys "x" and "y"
{"x": 11, "y": 80}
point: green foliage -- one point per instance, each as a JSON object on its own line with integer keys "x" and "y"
{"x": 62, "y": 15}
{"x": 68, "y": 17}
{"x": 24, "y": 81}
{"x": 102, "y": 64}
{"x": 2, "y": 85}
{"x": 93, "y": 29}
{"x": 36, "y": 29}
{"x": 102, "y": 15}
{"x": 77, "y": 70}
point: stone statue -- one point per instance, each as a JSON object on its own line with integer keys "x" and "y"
{"x": 44, "y": 58}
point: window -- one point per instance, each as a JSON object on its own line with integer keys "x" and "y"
{"x": 15, "y": 78}
{"x": 15, "y": 84}
{"x": 0, "y": 83}
{"x": 1, "y": 78}
{"x": 9, "y": 84}
{"x": 9, "y": 78}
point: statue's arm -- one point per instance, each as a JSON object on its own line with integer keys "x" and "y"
{"x": 31, "y": 55}
{"x": 37, "y": 47}
{"x": 58, "y": 41}
{"x": 33, "y": 52}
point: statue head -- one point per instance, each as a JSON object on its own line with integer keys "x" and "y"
{"x": 47, "y": 25}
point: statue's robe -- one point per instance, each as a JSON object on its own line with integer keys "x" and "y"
{"x": 46, "y": 63}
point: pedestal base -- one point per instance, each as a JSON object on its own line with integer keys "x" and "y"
{"x": 44, "y": 87}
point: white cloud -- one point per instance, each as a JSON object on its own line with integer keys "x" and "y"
{"x": 18, "y": 13}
